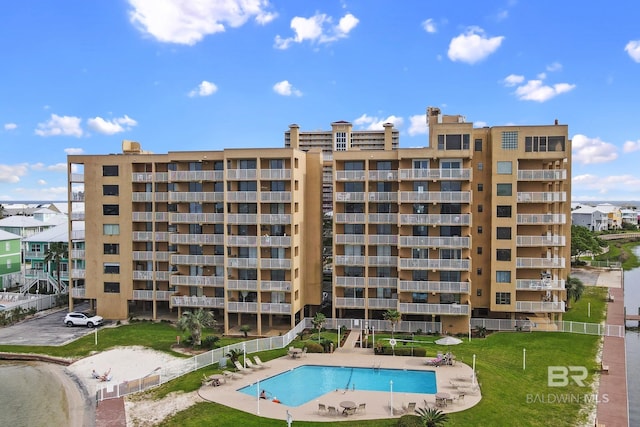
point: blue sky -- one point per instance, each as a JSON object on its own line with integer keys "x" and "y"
{"x": 80, "y": 76}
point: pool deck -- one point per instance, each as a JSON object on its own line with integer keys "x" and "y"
{"x": 377, "y": 403}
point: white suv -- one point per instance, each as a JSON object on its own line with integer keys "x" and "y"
{"x": 82, "y": 319}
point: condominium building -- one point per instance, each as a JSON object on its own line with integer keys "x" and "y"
{"x": 341, "y": 137}
{"x": 228, "y": 231}
{"x": 475, "y": 225}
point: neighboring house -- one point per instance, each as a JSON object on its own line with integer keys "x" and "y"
{"x": 9, "y": 260}
{"x": 590, "y": 217}
{"x": 38, "y": 271}
{"x": 613, "y": 214}
{"x": 629, "y": 216}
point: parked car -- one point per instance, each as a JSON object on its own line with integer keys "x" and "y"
{"x": 82, "y": 319}
{"x": 3, "y": 307}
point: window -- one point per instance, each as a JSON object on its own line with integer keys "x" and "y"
{"x": 110, "y": 210}
{"x": 479, "y": 250}
{"x": 479, "y": 292}
{"x": 503, "y": 233}
{"x": 453, "y": 142}
{"x": 503, "y": 298}
{"x": 503, "y": 254}
{"x": 480, "y": 208}
{"x": 503, "y": 211}
{"x": 479, "y": 229}
{"x": 480, "y": 166}
{"x": 505, "y": 168}
{"x": 111, "y": 287}
{"x": 477, "y": 145}
{"x": 111, "y": 268}
{"x": 111, "y": 248}
{"x": 503, "y": 277}
{"x": 480, "y": 187}
{"x": 479, "y": 271}
{"x": 109, "y": 170}
{"x": 110, "y": 190}
{"x": 111, "y": 229}
{"x": 510, "y": 140}
{"x": 504, "y": 190}
{"x": 341, "y": 141}
{"x": 544, "y": 143}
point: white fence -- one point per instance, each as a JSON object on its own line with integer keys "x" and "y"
{"x": 12, "y": 301}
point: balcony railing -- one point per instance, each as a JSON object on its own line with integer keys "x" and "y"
{"x": 540, "y": 307}
{"x": 535, "y": 241}
{"x": 194, "y": 301}
{"x": 275, "y": 174}
{"x": 383, "y": 282}
{"x": 242, "y": 285}
{"x": 435, "y": 219}
{"x": 348, "y": 260}
{"x": 434, "y": 286}
{"x": 434, "y": 242}
{"x": 349, "y": 282}
{"x": 275, "y": 196}
{"x": 382, "y": 239}
{"x": 78, "y": 292}
{"x": 350, "y": 175}
{"x": 180, "y": 280}
{"x": 275, "y": 218}
{"x": 150, "y": 216}
{"x": 383, "y": 218}
{"x": 242, "y": 174}
{"x": 242, "y": 307}
{"x": 242, "y": 218}
{"x": 349, "y": 239}
{"x": 387, "y": 175}
{"x": 381, "y": 196}
{"x": 193, "y": 239}
{"x": 77, "y": 273}
{"x": 197, "y": 259}
{"x": 142, "y": 275}
{"x": 534, "y": 219}
{"x": 350, "y": 197}
{"x": 144, "y": 295}
{"x": 242, "y": 196}
{"x": 385, "y": 303}
{"x": 77, "y": 216}
{"x": 275, "y": 285}
{"x": 242, "y": 262}
{"x": 383, "y": 261}
{"x": 438, "y": 174}
{"x": 539, "y": 285}
{"x": 77, "y": 235}
{"x": 77, "y": 177}
{"x": 76, "y": 253}
{"x": 188, "y": 176}
{"x": 275, "y": 263}
{"x": 273, "y": 307}
{"x": 435, "y": 264}
{"x": 350, "y": 218}
{"x": 275, "y": 241}
{"x": 436, "y": 309}
{"x": 540, "y": 263}
{"x": 196, "y": 218}
{"x": 149, "y": 177}
{"x": 342, "y": 302}
{"x": 244, "y": 241}
{"x": 542, "y": 197}
{"x": 542, "y": 175}
{"x": 196, "y": 196}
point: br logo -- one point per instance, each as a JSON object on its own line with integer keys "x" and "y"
{"x": 560, "y": 376}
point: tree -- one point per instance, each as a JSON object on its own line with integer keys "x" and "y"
{"x": 55, "y": 254}
{"x": 432, "y": 417}
{"x": 194, "y": 322}
{"x": 394, "y": 317}
{"x": 233, "y": 355}
{"x": 584, "y": 241}
{"x": 318, "y": 321}
{"x": 245, "y": 330}
{"x": 575, "y": 288}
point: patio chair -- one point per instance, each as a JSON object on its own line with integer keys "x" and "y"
{"x": 322, "y": 408}
{"x": 361, "y": 409}
{"x": 304, "y": 352}
{"x": 251, "y": 365}
{"x": 259, "y": 362}
{"x": 230, "y": 375}
{"x": 434, "y": 362}
{"x": 241, "y": 368}
{"x": 410, "y": 408}
{"x": 332, "y": 411}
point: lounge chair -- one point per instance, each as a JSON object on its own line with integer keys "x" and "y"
{"x": 322, "y": 408}
{"x": 362, "y": 408}
{"x": 331, "y": 410}
{"x": 251, "y": 365}
{"x": 230, "y": 375}
{"x": 410, "y": 408}
{"x": 434, "y": 362}
{"x": 304, "y": 352}
{"x": 241, "y": 368}
{"x": 260, "y": 362}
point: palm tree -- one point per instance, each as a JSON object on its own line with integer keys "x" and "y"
{"x": 432, "y": 417}
{"x": 234, "y": 355}
{"x": 318, "y": 321}
{"x": 245, "y": 330}
{"x": 394, "y": 317}
{"x": 194, "y": 321}
{"x": 575, "y": 288}
{"x": 55, "y": 254}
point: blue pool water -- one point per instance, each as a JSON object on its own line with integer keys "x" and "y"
{"x": 305, "y": 383}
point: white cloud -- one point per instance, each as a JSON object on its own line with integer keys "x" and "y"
{"x": 556, "y": 66}
{"x": 512, "y": 80}
{"x": 42, "y": 182}
{"x": 418, "y": 125}
{"x": 113, "y": 126}
{"x": 542, "y": 76}
{"x": 429, "y": 26}
{"x": 480, "y": 124}
{"x": 285, "y": 88}
{"x": 317, "y": 29}
{"x": 633, "y": 49}
{"x": 535, "y": 90}
{"x": 60, "y": 125}
{"x": 473, "y": 46}
{"x": 631, "y": 146}
{"x": 502, "y": 15}
{"x": 592, "y": 150}
{"x": 189, "y": 21}
{"x": 204, "y": 89}
{"x": 10, "y": 126}
{"x": 12, "y": 173}
{"x": 58, "y": 167}
{"x": 376, "y": 123}
{"x": 72, "y": 151}
{"x": 50, "y": 193}
{"x": 589, "y": 184}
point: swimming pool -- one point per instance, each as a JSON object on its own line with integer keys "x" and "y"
{"x": 304, "y": 383}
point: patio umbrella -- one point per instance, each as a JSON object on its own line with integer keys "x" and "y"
{"x": 449, "y": 341}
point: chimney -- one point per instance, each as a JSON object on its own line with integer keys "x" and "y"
{"x": 556, "y": 122}
{"x": 294, "y": 131}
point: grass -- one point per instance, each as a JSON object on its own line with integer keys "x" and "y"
{"x": 622, "y": 251}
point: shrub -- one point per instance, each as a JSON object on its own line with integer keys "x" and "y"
{"x": 402, "y": 351}
{"x": 210, "y": 341}
{"x": 409, "y": 421}
{"x": 314, "y": 347}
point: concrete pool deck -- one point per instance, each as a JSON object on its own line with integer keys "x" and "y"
{"x": 377, "y": 403}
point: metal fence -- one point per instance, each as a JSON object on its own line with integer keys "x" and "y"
{"x": 591, "y": 329}
{"x": 502, "y": 324}
{"x": 29, "y": 301}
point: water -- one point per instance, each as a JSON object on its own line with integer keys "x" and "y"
{"x": 305, "y": 383}
{"x": 632, "y": 340}
{"x": 31, "y": 395}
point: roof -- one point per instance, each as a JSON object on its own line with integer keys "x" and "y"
{"x": 59, "y": 233}
{"x": 5, "y": 235}
{"x": 21, "y": 221}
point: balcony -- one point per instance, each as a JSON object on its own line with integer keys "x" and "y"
{"x": 163, "y": 276}
{"x": 180, "y": 280}
{"x": 383, "y": 261}
{"x": 78, "y": 292}
{"x": 149, "y": 177}
{"x": 275, "y": 241}
{"x": 242, "y": 241}
{"x": 242, "y": 219}
{"x": 425, "y": 286}
{"x": 194, "y": 301}
{"x": 242, "y": 307}
{"x": 242, "y": 262}
{"x": 383, "y": 282}
{"x": 275, "y": 285}
{"x": 435, "y": 219}
{"x": 197, "y": 260}
{"x": 542, "y": 175}
{"x": 196, "y": 218}
{"x": 242, "y": 285}
{"x": 435, "y": 196}
{"x": 76, "y": 177}
{"x": 75, "y": 253}
{"x": 435, "y": 174}
{"x": 341, "y": 302}
{"x": 539, "y": 285}
{"x": 350, "y": 175}
{"x": 77, "y": 216}
{"x": 349, "y": 218}
{"x": 142, "y": 275}
{"x": 435, "y": 264}
{"x": 382, "y": 303}
{"x": 142, "y": 196}
{"x": 196, "y": 196}
{"x": 350, "y": 197}
{"x": 387, "y": 175}
{"x": 544, "y": 219}
{"x": 349, "y": 282}
{"x": 242, "y": 196}
{"x": 383, "y": 218}
{"x": 242, "y": 174}
{"x": 77, "y": 273}
{"x": 435, "y": 242}
{"x": 77, "y": 197}
{"x": 272, "y": 307}
{"x": 348, "y": 260}
{"x": 275, "y": 196}
{"x": 381, "y": 196}
{"x": 537, "y": 241}
{"x": 150, "y": 216}
{"x": 275, "y": 174}
{"x": 383, "y": 239}
{"x": 193, "y": 239}
{"x": 349, "y": 239}
{"x": 194, "y": 176}
{"x": 542, "y": 197}
{"x": 540, "y": 263}
{"x": 435, "y": 309}
{"x": 275, "y": 264}
{"x": 39, "y": 254}
{"x": 540, "y": 307}
{"x": 77, "y": 235}
{"x": 282, "y": 219}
